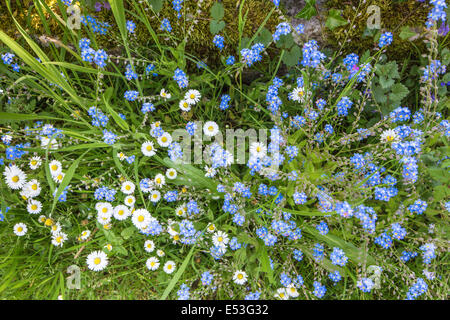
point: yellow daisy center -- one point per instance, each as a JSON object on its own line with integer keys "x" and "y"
{"x": 211, "y": 128}
{"x": 105, "y": 210}
{"x": 54, "y": 167}
{"x": 128, "y": 187}
{"x": 15, "y": 179}
{"x": 141, "y": 218}
{"x": 19, "y": 229}
{"x": 149, "y": 148}
{"x": 164, "y": 139}
{"x": 240, "y": 276}
{"x": 33, "y": 162}
{"x": 33, "y": 207}
{"x": 97, "y": 261}
{"x": 192, "y": 96}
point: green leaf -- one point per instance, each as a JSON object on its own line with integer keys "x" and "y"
{"x": 216, "y": 26}
{"x": 386, "y": 82}
{"x": 398, "y": 92}
{"x": 308, "y": 11}
{"x": 128, "y": 232}
{"x": 291, "y": 57}
{"x": 217, "y": 11}
{"x": 156, "y": 5}
{"x": 122, "y": 123}
{"x": 266, "y": 263}
{"x": 406, "y": 33}
{"x": 335, "y": 19}
{"x": 177, "y": 276}
{"x": 265, "y": 37}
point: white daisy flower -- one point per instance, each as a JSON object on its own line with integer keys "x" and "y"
{"x": 55, "y": 167}
{"x": 160, "y": 253}
{"x": 210, "y": 172}
{"x": 31, "y": 189}
{"x": 181, "y": 211}
{"x": 148, "y": 149}
{"x": 258, "y": 150}
{"x": 169, "y": 267}
{"x": 210, "y": 128}
{"x": 42, "y": 218}
{"x": 298, "y": 94}
{"x": 58, "y": 239}
{"x": 292, "y": 291}
{"x": 20, "y": 229}
{"x": 389, "y": 136}
{"x": 171, "y": 173}
{"x": 172, "y": 231}
{"x": 184, "y": 106}
{"x": 34, "y": 207}
{"x": 160, "y": 180}
{"x": 128, "y": 187}
{"x": 192, "y": 96}
{"x": 121, "y": 212}
{"x": 149, "y": 246}
{"x": 105, "y": 209}
{"x": 97, "y": 260}
{"x": 121, "y": 156}
{"x": 35, "y": 162}
{"x": 155, "y": 195}
{"x": 14, "y": 177}
{"x": 164, "y": 94}
{"x": 46, "y": 141}
{"x": 85, "y": 234}
{"x": 108, "y": 246}
{"x": 152, "y": 263}
{"x": 129, "y": 201}
{"x": 141, "y": 218}
{"x": 155, "y": 125}
{"x": 211, "y": 228}
{"x": 240, "y": 277}
{"x": 282, "y": 294}
{"x": 58, "y": 178}
{"x": 220, "y": 239}
{"x": 55, "y": 228}
{"x": 165, "y": 139}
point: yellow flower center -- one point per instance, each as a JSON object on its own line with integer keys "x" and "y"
{"x": 19, "y": 229}
{"x": 176, "y": 237}
{"x": 33, "y": 162}
{"x": 240, "y": 276}
{"x": 185, "y": 104}
{"x": 48, "y": 222}
{"x": 192, "y": 96}
{"x": 158, "y": 180}
{"x": 164, "y": 139}
{"x": 211, "y": 128}
{"x": 152, "y": 263}
{"x": 128, "y": 187}
{"x": 54, "y": 167}
{"x": 97, "y": 261}
{"x": 15, "y": 179}
{"x": 220, "y": 239}
{"x": 105, "y": 210}
{"x": 120, "y": 212}
{"x": 169, "y": 266}
{"x": 60, "y": 177}
{"x": 141, "y": 218}
{"x": 58, "y": 239}
{"x": 34, "y": 187}
{"x": 149, "y": 148}
{"x": 33, "y": 207}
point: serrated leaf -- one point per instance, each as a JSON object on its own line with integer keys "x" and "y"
{"x": 308, "y": 11}
{"x": 216, "y": 26}
{"x": 217, "y": 11}
{"x": 335, "y": 19}
{"x": 291, "y": 57}
{"x": 398, "y": 92}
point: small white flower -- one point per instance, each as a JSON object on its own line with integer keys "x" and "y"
{"x": 35, "y": 162}
{"x": 210, "y": 172}
{"x": 31, "y": 189}
{"x": 46, "y": 141}
{"x": 155, "y": 195}
{"x": 121, "y": 156}
{"x": 58, "y": 178}
{"x": 389, "y": 136}
{"x": 148, "y": 149}
{"x": 58, "y": 239}
{"x": 211, "y": 228}
{"x": 149, "y": 246}
{"x": 128, "y": 187}
{"x": 160, "y": 253}
{"x": 210, "y": 128}
{"x": 85, "y": 234}
{"x": 192, "y": 96}
{"x": 141, "y": 218}
{"x": 55, "y": 167}
{"x": 184, "y": 106}
{"x": 55, "y": 228}
{"x": 20, "y": 229}
{"x": 169, "y": 267}
{"x": 97, "y": 261}
{"x": 160, "y": 180}
{"x": 258, "y": 150}
{"x": 298, "y": 94}
{"x": 292, "y": 291}
{"x": 171, "y": 173}
{"x": 14, "y": 177}
{"x": 129, "y": 201}
{"x": 282, "y": 294}
{"x": 121, "y": 212}
{"x": 152, "y": 263}
{"x": 34, "y": 207}
{"x": 181, "y": 211}
{"x": 220, "y": 239}
{"x": 240, "y": 277}
{"x": 165, "y": 139}
{"x": 108, "y": 246}
{"x": 165, "y": 94}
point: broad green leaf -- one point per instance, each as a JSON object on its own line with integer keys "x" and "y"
{"x": 308, "y": 11}
{"x": 217, "y": 11}
{"x": 216, "y": 26}
{"x": 335, "y": 19}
